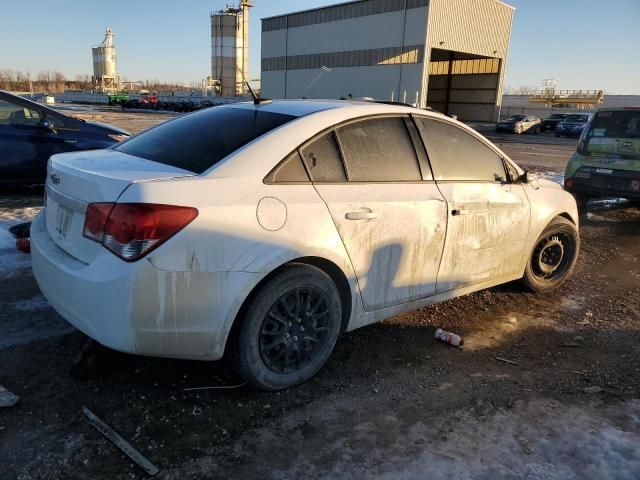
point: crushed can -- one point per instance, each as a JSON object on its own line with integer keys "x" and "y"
{"x": 450, "y": 338}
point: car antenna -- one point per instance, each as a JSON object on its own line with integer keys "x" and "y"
{"x": 256, "y": 99}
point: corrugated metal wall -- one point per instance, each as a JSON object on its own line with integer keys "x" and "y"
{"x": 481, "y": 27}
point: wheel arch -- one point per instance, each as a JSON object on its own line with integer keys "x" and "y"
{"x": 567, "y": 216}
{"x": 336, "y": 274}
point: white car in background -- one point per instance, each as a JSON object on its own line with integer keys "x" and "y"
{"x": 268, "y": 229}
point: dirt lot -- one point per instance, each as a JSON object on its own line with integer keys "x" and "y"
{"x": 392, "y": 403}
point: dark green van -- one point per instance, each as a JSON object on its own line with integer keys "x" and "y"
{"x": 607, "y": 162}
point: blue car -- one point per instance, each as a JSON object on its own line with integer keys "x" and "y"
{"x": 30, "y": 133}
{"x": 573, "y": 125}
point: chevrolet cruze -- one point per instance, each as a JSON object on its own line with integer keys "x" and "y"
{"x": 267, "y": 229}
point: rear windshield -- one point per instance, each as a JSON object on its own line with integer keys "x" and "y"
{"x": 517, "y": 117}
{"x": 625, "y": 124}
{"x": 558, "y": 115}
{"x": 578, "y": 118}
{"x": 198, "y": 141}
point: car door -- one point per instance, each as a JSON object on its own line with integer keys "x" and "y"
{"x": 488, "y": 216}
{"x": 385, "y": 205}
{"x": 25, "y": 144}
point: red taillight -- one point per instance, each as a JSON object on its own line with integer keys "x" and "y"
{"x": 568, "y": 183}
{"x": 132, "y": 230}
{"x": 95, "y": 219}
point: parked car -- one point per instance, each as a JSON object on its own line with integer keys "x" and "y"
{"x": 30, "y": 133}
{"x": 573, "y": 125}
{"x": 267, "y": 230}
{"x": 552, "y": 121}
{"x": 519, "y": 124}
{"x": 607, "y": 161}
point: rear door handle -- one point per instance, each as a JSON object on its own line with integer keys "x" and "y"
{"x": 458, "y": 212}
{"x": 360, "y": 216}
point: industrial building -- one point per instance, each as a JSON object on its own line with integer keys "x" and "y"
{"x": 105, "y": 72}
{"x": 446, "y": 54}
{"x": 230, "y": 49}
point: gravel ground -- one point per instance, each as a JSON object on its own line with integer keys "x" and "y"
{"x": 392, "y": 403}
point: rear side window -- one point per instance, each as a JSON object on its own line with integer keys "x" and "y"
{"x": 456, "y": 155}
{"x": 624, "y": 124}
{"x": 198, "y": 141}
{"x": 379, "y": 150}
{"x": 323, "y": 161}
{"x": 291, "y": 170}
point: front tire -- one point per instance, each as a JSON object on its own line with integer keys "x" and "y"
{"x": 289, "y": 329}
{"x": 553, "y": 257}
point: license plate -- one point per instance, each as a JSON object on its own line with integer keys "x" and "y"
{"x": 63, "y": 220}
{"x": 604, "y": 170}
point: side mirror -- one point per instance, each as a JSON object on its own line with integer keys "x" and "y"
{"x": 524, "y": 178}
{"x": 47, "y": 125}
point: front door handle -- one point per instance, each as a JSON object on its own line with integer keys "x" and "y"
{"x": 360, "y": 215}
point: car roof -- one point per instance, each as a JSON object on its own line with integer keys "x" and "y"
{"x": 303, "y": 107}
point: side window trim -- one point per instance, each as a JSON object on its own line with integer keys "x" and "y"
{"x": 425, "y": 163}
{"x": 345, "y": 167}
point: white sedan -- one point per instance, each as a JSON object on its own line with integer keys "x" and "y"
{"x": 266, "y": 230}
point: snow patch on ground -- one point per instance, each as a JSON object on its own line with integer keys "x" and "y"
{"x": 536, "y": 440}
{"x": 554, "y": 177}
{"x": 33, "y": 304}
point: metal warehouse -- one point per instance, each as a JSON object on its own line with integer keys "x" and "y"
{"x": 446, "y": 54}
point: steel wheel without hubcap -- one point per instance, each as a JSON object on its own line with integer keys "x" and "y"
{"x": 548, "y": 256}
{"x": 553, "y": 257}
{"x": 294, "y": 330}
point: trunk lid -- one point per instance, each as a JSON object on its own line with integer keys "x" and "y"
{"x": 74, "y": 180}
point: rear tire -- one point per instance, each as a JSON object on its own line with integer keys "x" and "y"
{"x": 289, "y": 329}
{"x": 553, "y": 257}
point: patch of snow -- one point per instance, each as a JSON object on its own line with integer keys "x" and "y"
{"x": 554, "y": 177}
{"x": 33, "y": 304}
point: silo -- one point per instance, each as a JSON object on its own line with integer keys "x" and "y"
{"x": 230, "y": 49}
{"x": 105, "y": 73}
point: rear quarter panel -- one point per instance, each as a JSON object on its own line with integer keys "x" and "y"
{"x": 242, "y": 228}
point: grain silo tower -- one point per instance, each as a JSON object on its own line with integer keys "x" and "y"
{"x": 230, "y": 49}
{"x": 105, "y": 73}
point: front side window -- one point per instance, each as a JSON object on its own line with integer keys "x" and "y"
{"x": 456, "y": 155}
{"x": 198, "y": 141}
{"x": 379, "y": 150}
{"x": 323, "y": 161}
{"x": 18, "y": 115}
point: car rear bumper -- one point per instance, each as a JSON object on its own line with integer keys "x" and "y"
{"x": 136, "y": 307}
{"x": 618, "y": 183}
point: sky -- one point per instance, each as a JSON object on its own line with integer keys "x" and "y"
{"x": 584, "y": 44}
